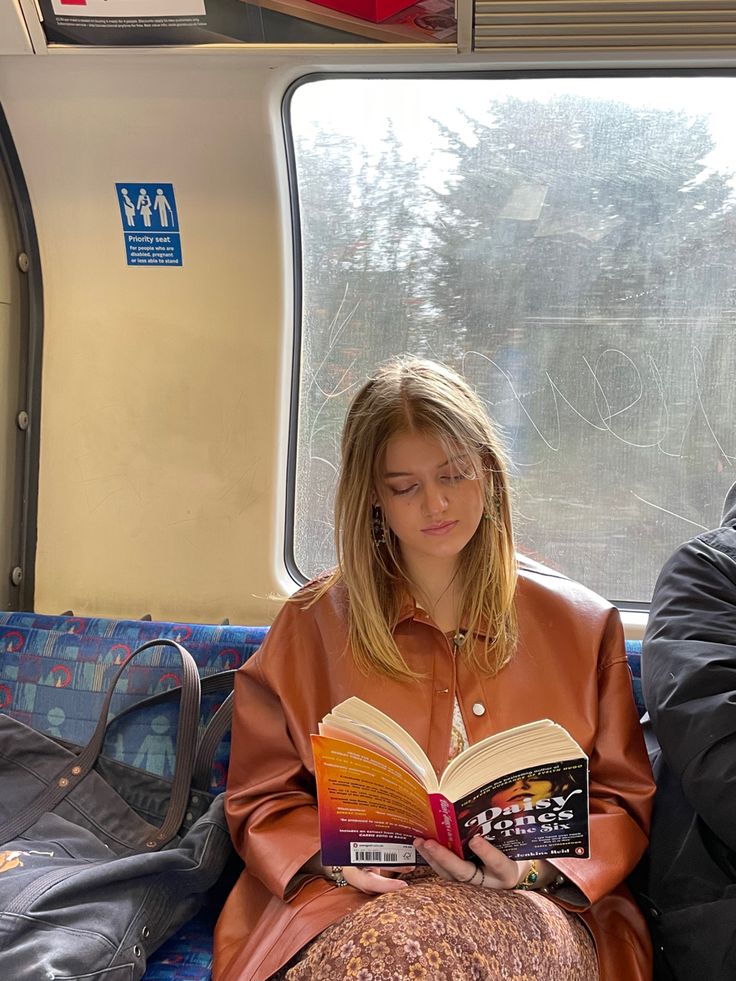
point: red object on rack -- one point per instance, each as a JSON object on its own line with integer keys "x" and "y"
{"x": 373, "y": 10}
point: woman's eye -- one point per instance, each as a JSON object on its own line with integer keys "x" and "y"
{"x": 453, "y": 478}
{"x": 399, "y": 491}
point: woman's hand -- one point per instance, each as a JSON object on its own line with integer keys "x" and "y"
{"x": 494, "y": 870}
{"x": 373, "y": 879}
{"x": 365, "y": 878}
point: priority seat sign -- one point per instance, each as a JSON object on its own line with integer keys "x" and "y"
{"x": 150, "y": 223}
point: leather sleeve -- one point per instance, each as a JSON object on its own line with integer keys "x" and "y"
{"x": 270, "y": 804}
{"x": 621, "y": 784}
{"x": 689, "y": 675}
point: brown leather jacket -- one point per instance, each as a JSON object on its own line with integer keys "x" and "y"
{"x": 570, "y": 666}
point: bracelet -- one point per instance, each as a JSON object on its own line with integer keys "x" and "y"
{"x": 335, "y": 873}
{"x": 530, "y": 878}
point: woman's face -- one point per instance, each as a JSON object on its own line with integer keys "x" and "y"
{"x": 518, "y": 792}
{"x": 433, "y": 502}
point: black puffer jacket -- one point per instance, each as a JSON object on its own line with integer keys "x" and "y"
{"x": 689, "y": 675}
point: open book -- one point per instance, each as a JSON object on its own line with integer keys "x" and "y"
{"x": 525, "y": 790}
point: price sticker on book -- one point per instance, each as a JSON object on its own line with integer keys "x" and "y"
{"x": 381, "y": 853}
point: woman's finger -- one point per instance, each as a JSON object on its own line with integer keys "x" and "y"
{"x": 498, "y": 870}
{"x": 445, "y": 863}
{"x": 502, "y": 869}
{"x": 371, "y": 880}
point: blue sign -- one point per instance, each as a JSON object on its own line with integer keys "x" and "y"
{"x": 150, "y": 224}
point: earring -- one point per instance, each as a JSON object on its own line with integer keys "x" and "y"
{"x": 378, "y": 528}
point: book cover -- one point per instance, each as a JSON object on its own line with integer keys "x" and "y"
{"x": 537, "y": 812}
{"x": 370, "y": 807}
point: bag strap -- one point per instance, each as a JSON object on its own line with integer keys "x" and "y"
{"x": 210, "y": 684}
{"x": 212, "y": 736}
{"x": 214, "y": 731}
{"x": 77, "y": 768}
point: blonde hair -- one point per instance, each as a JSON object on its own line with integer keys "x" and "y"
{"x": 409, "y": 394}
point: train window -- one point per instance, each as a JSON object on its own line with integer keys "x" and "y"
{"x": 568, "y": 244}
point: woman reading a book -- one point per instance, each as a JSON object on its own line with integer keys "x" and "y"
{"x": 431, "y": 617}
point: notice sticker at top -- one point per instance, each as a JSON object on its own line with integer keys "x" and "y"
{"x": 122, "y": 9}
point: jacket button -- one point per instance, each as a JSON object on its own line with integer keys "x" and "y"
{"x": 479, "y": 709}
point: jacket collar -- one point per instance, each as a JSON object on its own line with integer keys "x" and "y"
{"x": 410, "y": 610}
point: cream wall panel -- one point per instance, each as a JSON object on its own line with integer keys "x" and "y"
{"x": 160, "y": 447}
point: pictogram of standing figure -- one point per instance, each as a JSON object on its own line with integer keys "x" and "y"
{"x": 143, "y": 204}
{"x": 163, "y": 207}
{"x": 128, "y": 206}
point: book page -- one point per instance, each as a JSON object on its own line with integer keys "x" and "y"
{"x": 369, "y": 738}
{"x": 381, "y": 729}
{"x": 514, "y": 749}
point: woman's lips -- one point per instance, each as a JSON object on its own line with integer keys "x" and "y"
{"x": 441, "y": 529}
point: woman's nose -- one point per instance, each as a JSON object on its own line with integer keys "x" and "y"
{"x": 434, "y": 500}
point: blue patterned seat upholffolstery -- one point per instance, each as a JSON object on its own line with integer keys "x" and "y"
{"x": 54, "y": 672}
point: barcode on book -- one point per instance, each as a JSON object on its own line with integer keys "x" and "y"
{"x": 378, "y": 853}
